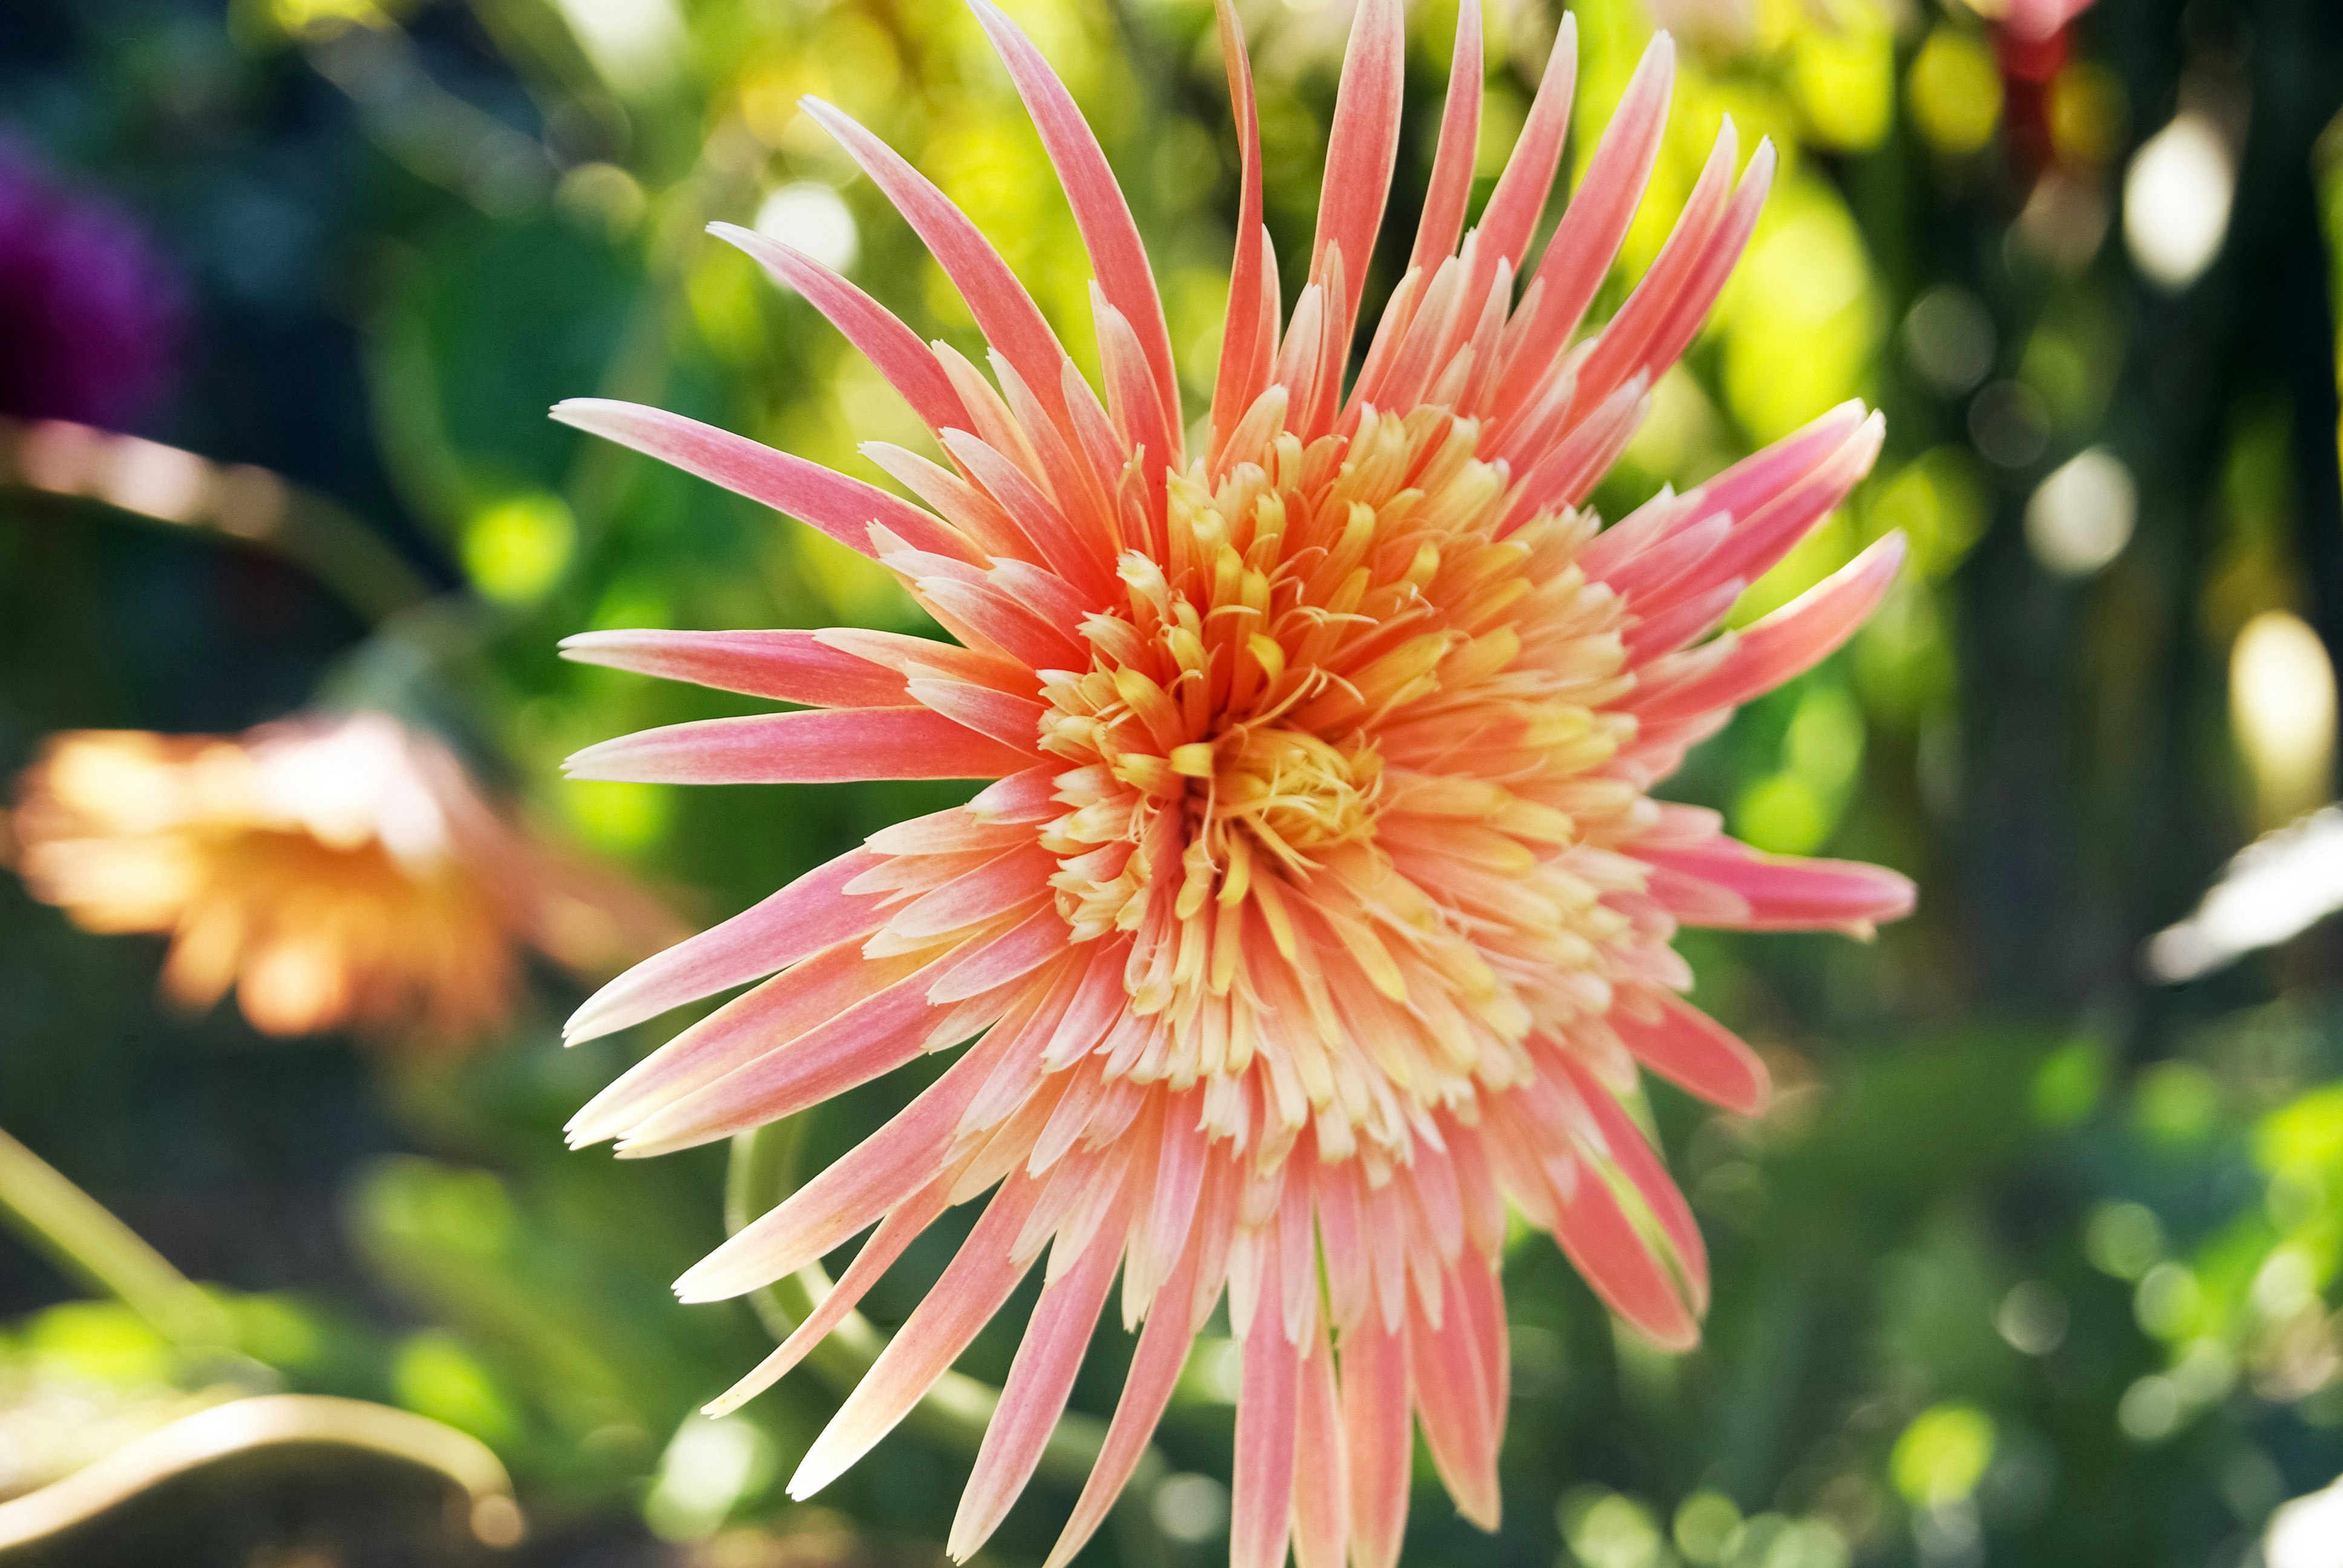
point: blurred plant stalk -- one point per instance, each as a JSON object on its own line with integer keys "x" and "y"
{"x": 40, "y": 1520}
{"x": 90, "y": 1244}
{"x": 86, "y": 1240}
{"x": 233, "y": 500}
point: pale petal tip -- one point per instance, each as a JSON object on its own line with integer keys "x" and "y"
{"x": 818, "y": 1470}
{"x": 591, "y": 1125}
{"x": 591, "y": 647}
{"x": 1899, "y": 895}
{"x": 1676, "y": 1341}
{"x": 1484, "y": 1511}
{"x": 591, "y": 1022}
{"x": 718, "y": 1277}
{"x": 594, "y": 761}
{"x": 747, "y": 240}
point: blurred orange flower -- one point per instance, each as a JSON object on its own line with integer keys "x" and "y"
{"x": 339, "y": 872}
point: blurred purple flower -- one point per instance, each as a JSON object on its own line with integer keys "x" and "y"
{"x": 90, "y": 314}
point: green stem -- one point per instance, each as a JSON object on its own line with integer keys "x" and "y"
{"x": 346, "y": 557}
{"x": 954, "y": 1412}
{"x": 86, "y": 1240}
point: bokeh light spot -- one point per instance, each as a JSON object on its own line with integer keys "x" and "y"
{"x": 810, "y": 217}
{"x": 2032, "y": 1318}
{"x": 708, "y": 1468}
{"x": 434, "y": 1374}
{"x": 1706, "y": 1525}
{"x": 516, "y": 549}
{"x": 1942, "y": 1455}
{"x": 2123, "y": 1239}
{"x": 1190, "y": 1509}
{"x": 1844, "y": 77}
{"x": 2282, "y": 710}
{"x": 1954, "y": 91}
{"x": 624, "y": 819}
{"x": 1948, "y": 337}
{"x": 2081, "y": 517}
{"x": 2176, "y": 196}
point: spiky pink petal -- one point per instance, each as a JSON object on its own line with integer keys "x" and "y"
{"x": 1322, "y": 1496}
{"x": 815, "y": 747}
{"x": 971, "y": 1289}
{"x": 804, "y": 916}
{"x": 1361, "y": 151}
{"x": 1038, "y": 1382}
{"x": 1785, "y": 893}
{"x": 761, "y": 1020}
{"x": 1451, "y": 186}
{"x": 1601, "y": 1241}
{"x": 1248, "y": 340}
{"x": 1379, "y": 1434}
{"x": 1006, "y": 313}
{"x": 1790, "y": 641}
{"x": 1688, "y": 1047}
{"x": 894, "y": 348}
{"x": 1100, "y": 212}
{"x": 1519, "y": 198}
{"x": 902, "y": 1227}
{"x": 880, "y": 1171}
{"x": 1623, "y": 1141}
{"x": 786, "y": 666}
{"x": 1155, "y": 1366}
{"x": 883, "y": 1031}
{"x": 1450, "y": 1400}
{"x": 1579, "y": 256}
{"x": 1267, "y": 1405}
{"x": 846, "y": 509}
{"x": 1623, "y": 348}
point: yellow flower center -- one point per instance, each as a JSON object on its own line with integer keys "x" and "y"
{"x": 1333, "y": 679}
{"x": 1291, "y": 791}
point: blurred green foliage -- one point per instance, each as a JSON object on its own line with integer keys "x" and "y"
{"x": 2034, "y": 1261}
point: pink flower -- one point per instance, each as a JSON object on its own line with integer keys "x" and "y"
{"x": 1318, "y": 909}
{"x": 2036, "y": 21}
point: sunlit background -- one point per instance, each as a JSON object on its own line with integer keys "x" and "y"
{"x": 2036, "y": 1258}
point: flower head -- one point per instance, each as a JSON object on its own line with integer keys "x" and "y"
{"x": 90, "y": 317}
{"x": 337, "y": 872}
{"x": 1318, "y": 909}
